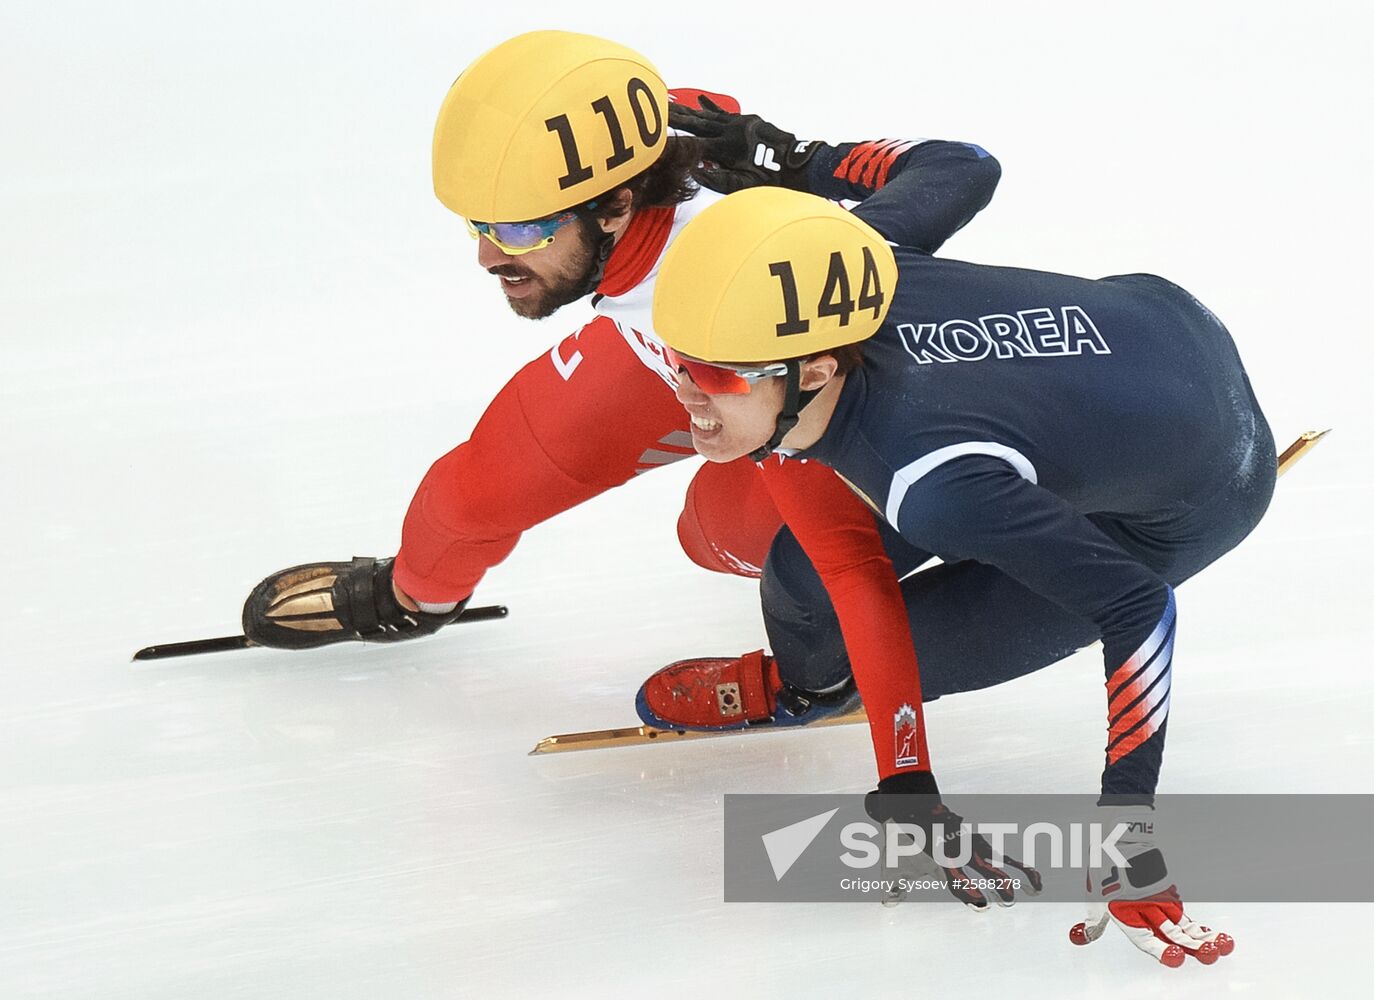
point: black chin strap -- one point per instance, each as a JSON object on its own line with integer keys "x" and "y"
{"x": 604, "y": 245}
{"x": 794, "y": 399}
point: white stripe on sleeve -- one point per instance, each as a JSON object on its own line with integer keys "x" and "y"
{"x": 909, "y": 475}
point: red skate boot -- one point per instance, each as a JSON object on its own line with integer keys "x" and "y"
{"x": 719, "y": 693}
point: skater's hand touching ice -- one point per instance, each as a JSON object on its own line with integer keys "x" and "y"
{"x": 973, "y": 873}
{"x": 1143, "y": 902}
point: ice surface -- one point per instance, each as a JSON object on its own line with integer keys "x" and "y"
{"x": 236, "y": 328}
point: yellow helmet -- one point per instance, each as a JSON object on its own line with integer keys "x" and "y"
{"x": 546, "y": 121}
{"x": 768, "y": 273}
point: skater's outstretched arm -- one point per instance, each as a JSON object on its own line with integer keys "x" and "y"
{"x": 916, "y": 192}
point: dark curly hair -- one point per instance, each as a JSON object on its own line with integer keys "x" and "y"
{"x": 667, "y": 181}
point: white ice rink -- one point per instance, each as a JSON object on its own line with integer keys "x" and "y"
{"x": 236, "y": 329}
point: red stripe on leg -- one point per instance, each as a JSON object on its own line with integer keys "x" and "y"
{"x": 1136, "y": 688}
{"x": 1136, "y": 738}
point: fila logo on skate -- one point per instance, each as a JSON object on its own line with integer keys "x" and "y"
{"x": 1030, "y": 333}
{"x": 764, "y": 157}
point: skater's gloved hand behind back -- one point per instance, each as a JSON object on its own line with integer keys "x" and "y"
{"x": 318, "y": 604}
{"x": 745, "y": 150}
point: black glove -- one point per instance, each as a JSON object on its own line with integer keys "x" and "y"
{"x": 322, "y": 603}
{"x": 913, "y": 798}
{"x": 746, "y": 150}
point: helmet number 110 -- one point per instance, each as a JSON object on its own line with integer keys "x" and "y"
{"x": 642, "y": 103}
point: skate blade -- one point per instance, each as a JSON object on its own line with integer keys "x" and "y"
{"x": 631, "y": 736}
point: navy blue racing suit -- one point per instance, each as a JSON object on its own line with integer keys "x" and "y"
{"x": 1072, "y": 449}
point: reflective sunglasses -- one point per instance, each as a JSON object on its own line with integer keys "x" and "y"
{"x": 516, "y": 238}
{"x": 722, "y": 379}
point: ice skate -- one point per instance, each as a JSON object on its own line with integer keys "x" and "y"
{"x": 722, "y": 693}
